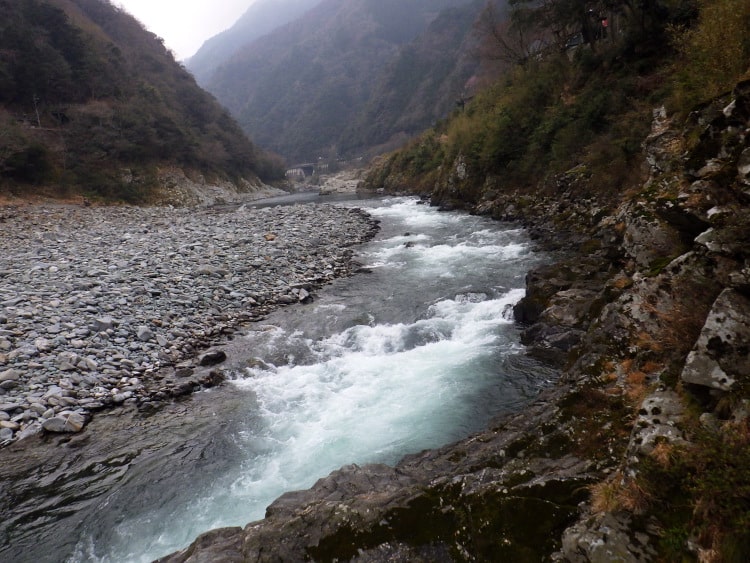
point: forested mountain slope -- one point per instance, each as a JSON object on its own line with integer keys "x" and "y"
{"x": 315, "y": 86}
{"x": 91, "y": 101}
{"x": 261, "y": 18}
{"x": 420, "y": 86}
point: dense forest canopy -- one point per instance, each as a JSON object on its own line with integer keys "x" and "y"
{"x": 86, "y": 92}
{"x": 582, "y": 96}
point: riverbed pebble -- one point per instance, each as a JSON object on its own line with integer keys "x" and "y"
{"x": 97, "y": 304}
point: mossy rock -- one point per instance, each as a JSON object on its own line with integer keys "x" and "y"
{"x": 513, "y": 524}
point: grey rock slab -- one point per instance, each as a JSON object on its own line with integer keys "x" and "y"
{"x": 721, "y": 356}
{"x": 65, "y": 424}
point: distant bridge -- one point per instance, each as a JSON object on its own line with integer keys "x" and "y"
{"x": 305, "y": 170}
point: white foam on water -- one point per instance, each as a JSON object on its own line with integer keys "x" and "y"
{"x": 375, "y": 392}
{"x": 414, "y": 215}
{"x": 369, "y": 393}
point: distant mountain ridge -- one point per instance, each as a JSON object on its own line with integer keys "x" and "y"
{"x": 261, "y": 18}
{"x": 421, "y": 85}
{"x": 90, "y": 100}
{"x": 350, "y": 76}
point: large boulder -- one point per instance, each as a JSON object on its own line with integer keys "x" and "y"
{"x": 721, "y": 357}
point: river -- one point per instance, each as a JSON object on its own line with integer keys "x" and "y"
{"x": 415, "y": 352}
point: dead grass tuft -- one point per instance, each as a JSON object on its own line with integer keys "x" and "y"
{"x": 619, "y": 493}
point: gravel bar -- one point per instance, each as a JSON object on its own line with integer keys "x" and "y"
{"x": 101, "y": 307}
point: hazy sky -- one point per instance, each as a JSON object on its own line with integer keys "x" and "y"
{"x": 185, "y": 24}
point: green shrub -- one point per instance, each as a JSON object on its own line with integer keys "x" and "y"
{"x": 31, "y": 165}
{"x": 714, "y": 54}
{"x": 703, "y": 492}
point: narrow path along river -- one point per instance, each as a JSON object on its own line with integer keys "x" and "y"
{"x": 415, "y": 353}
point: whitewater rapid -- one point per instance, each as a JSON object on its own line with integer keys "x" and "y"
{"x": 419, "y": 352}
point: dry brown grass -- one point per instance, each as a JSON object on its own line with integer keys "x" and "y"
{"x": 708, "y": 556}
{"x": 619, "y": 493}
{"x": 622, "y": 282}
{"x": 645, "y": 341}
{"x": 680, "y": 324}
{"x": 637, "y": 386}
{"x": 663, "y": 454}
{"x": 605, "y": 496}
{"x": 651, "y": 367}
{"x": 634, "y": 498}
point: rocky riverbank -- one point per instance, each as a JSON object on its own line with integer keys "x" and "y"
{"x": 116, "y": 306}
{"x": 641, "y": 451}
{"x": 344, "y": 182}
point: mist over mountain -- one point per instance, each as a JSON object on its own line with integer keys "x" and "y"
{"x": 349, "y": 75}
{"x": 90, "y": 100}
{"x": 262, "y": 17}
{"x": 420, "y": 85}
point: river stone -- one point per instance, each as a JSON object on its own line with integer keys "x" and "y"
{"x": 6, "y": 434}
{"x": 721, "y": 357}
{"x": 212, "y": 357}
{"x": 9, "y": 407}
{"x": 303, "y": 295}
{"x": 43, "y": 344}
{"x": 10, "y": 375}
{"x": 144, "y": 334}
{"x": 31, "y": 430}
{"x": 102, "y": 324}
{"x": 71, "y": 423}
{"x": 61, "y": 315}
{"x": 9, "y": 424}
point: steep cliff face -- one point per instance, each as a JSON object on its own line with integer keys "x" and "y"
{"x": 640, "y": 452}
